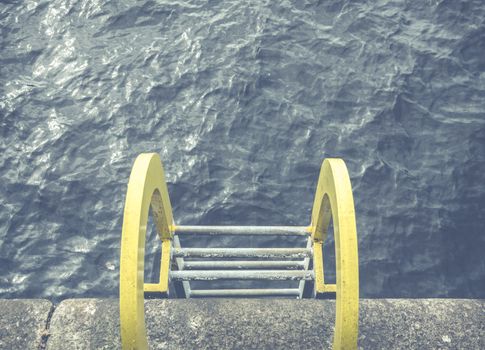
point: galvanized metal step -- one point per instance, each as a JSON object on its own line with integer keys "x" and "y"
{"x": 261, "y": 264}
{"x": 289, "y": 253}
{"x": 273, "y": 275}
{"x": 244, "y": 292}
{"x": 243, "y": 230}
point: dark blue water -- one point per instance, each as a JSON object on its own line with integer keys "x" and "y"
{"x": 243, "y": 100}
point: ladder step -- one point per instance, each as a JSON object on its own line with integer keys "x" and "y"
{"x": 262, "y": 264}
{"x": 240, "y": 275}
{"x": 244, "y": 230}
{"x": 242, "y": 252}
{"x": 240, "y": 292}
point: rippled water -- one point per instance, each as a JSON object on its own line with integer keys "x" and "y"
{"x": 243, "y": 100}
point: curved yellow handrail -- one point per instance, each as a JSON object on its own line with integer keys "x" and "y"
{"x": 146, "y": 188}
{"x": 333, "y": 199}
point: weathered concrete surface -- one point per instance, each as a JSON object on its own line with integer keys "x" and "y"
{"x": 273, "y": 324}
{"x": 23, "y": 323}
{"x": 85, "y": 324}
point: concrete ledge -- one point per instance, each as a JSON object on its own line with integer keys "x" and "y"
{"x": 245, "y": 324}
{"x": 23, "y": 323}
{"x": 273, "y": 324}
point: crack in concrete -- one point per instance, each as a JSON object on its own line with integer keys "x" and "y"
{"x": 46, "y": 332}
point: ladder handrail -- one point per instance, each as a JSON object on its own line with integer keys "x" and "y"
{"x": 334, "y": 201}
{"x": 146, "y": 188}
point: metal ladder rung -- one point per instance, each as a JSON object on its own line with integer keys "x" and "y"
{"x": 288, "y": 264}
{"x": 210, "y": 275}
{"x": 243, "y": 230}
{"x": 245, "y": 292}
{"x": 242, "y": 252}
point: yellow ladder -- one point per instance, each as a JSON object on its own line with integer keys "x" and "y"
{"x": 333, "y": 201}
